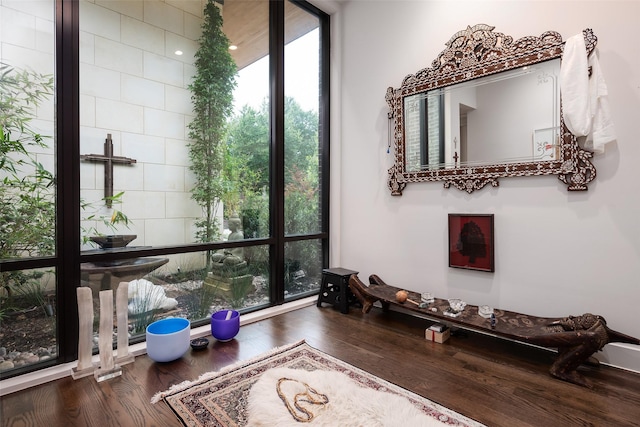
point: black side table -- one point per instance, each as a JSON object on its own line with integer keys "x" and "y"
{"x": 335, "y": 288}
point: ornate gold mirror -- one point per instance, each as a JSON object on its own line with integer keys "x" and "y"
{"x": 487, "y": 108}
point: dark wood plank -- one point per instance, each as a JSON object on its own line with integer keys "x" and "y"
{"x": 497, "y": 382}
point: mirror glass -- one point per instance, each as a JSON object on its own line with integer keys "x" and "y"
{"x": 513, "y": 116}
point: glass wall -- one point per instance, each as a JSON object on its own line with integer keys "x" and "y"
{"x": 172, "y": 189}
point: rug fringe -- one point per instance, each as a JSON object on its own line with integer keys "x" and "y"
{"x": 208, "y": 375}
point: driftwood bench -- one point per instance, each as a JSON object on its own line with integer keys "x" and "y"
{"x": 575, "y": 337}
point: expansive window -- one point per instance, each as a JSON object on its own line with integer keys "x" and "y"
{"x": 180, "y": 150}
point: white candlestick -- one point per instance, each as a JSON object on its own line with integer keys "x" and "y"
{"x": 122, "y": 300}
{"x": 85, "y": 327}
{"x": 105, "y": 338}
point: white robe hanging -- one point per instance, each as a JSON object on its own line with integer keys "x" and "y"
{"x": 584, "y": 99}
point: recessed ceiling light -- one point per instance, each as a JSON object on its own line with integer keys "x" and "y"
{"x": 233, "y": 47}
{"x": 178, "y": 52}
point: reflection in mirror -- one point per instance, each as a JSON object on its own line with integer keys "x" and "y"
{"x": 456, "y": 126}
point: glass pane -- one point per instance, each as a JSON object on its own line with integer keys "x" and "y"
{"x": 160, "y": 161}
{"x": 303, "y": 268}
{"x": 302, "y": 71}
{"x": 27, "y": 112}
{"x": 139, "y": 175}
{"x": 182, "y": 285}
{"x": 246, "y": 23}
{"x": 135, "y": 62}
{"x": 27, "y": 318}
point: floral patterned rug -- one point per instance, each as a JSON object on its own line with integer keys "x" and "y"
{"x": 222, "y": 398}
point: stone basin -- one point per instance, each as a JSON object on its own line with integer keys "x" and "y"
{"x": 110, "y": 273}
{"x": 113, "y": 241}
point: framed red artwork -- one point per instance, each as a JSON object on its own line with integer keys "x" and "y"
{"x": 471, "y": 241}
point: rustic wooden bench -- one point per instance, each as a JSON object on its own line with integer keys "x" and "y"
{"x": 575, "y": 337}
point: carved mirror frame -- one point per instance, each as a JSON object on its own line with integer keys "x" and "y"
{"x": 470, "y": 54}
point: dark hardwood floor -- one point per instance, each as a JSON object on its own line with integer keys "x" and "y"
{"x": 493, "y": 381}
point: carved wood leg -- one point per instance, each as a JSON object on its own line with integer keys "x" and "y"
{"x": 569, "y": 358}
{"x": 359, "y": 290}
{"x": 374, "y": 279}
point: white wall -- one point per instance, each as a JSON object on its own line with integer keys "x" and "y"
{"x": 557, "y": 253}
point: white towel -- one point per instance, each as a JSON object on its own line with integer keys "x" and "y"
{"x": 584, "y": 99}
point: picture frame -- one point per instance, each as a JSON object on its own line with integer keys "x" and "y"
{"x": 471, "y": 244}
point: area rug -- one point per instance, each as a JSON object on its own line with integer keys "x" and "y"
{"x": 298, "y": 384}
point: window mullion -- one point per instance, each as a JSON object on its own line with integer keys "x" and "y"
{"x": 67, "y": 175}
{"x": 276, "y": 78}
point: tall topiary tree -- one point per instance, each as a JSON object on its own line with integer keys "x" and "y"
{"x": 212, "y": 98}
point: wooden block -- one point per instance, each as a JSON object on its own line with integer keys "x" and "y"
{"x": 438, "y": 337}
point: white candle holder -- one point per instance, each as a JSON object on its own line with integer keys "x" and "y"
{"x": 109, "y": 365}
